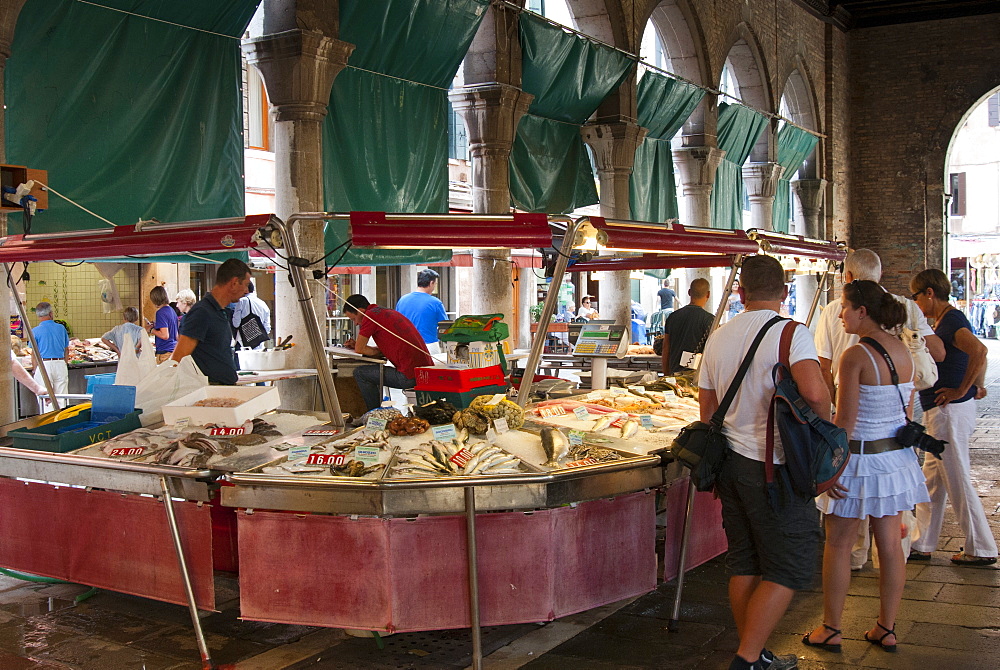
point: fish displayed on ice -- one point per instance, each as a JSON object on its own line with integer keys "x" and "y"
{"x": 555, "y": 444}
{"x": 630, "y": 428}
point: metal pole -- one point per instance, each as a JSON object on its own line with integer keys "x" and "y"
{"x": 682, "y": 559}
{"x": 168, "y": 504}
{"x": 35, "y": 354}
{"x": 549, "y": 308}
{"x": 470, "y": 534}
{"x": 821, "y": 282}
{"x": 327, "y": 388}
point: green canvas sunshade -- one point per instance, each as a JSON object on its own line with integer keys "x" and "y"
{"x": 738, "y": 130}
{"x": 569, "y": 76}
{"x": 794, "y": 146}
{"x": 132, "y": 117}
{"x": 664, "y": 104}
{"x": 385, "y": 141}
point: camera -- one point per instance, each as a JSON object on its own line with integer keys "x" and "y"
{"x": 914, "y": 435}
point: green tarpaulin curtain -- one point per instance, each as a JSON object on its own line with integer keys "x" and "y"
{"x": 738, "y": 130}
{"x": 131, "y": 117}
{"x": 664, "y": 104}
{"x": 569, "y": 76}
{"x": 794, "y": 146}
{"x": 385, "y": 141}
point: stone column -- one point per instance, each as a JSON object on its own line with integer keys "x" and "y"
{"x": 9, "y": 10}
{"x": 298, "y": 68}
{"x": 809, "y": 193}
{"x": 761, "y": 180}
{"x": 697, "y": 166}
{"x": 614, "y": 145}
{"x": 491, "y": 113}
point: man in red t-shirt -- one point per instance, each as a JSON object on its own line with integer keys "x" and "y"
{"x": 395, "y": 337}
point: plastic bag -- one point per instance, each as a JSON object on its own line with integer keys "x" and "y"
{"x": 133, "y": 369}
{"x": 167, "y": 382}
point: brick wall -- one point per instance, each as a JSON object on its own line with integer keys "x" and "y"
{"x": 910, "y": 87}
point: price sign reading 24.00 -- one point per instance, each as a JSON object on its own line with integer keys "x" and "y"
{"x": 128, "y": 451}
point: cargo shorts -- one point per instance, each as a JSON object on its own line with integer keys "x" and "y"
{"x": 779, "y": 545}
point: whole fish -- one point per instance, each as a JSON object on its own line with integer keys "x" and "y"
{"x": 555, "y": 444}
{"x": 602, "y": 422}
{"x": 630, "y": 428}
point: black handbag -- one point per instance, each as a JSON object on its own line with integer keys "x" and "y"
{"x": 701, "y": 446}
{"x": 251, "y": 331}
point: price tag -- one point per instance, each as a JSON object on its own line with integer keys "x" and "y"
{"x": 670, "y": 380}
{"x": 638, "y": 390}
{"x": 226, "y": 431}
{"x": 182, "y": 422}
{"x": 444, "y": 432}
{"x": 618, "y": 391}
{"x": 367, "y": 455}
{"x": 496, "y": 399}
{"x": 326, "y": 459}
{"x": 323, "y": 432}
{"x": 584, "y": 461}
{"x": 500, "y": 425}
{"x": 554, "y": 410}
{"x": 576, "y": 437}
{"x": 374, "y": 425}
{"x": 581, "y": 413}
{"x": 298, "y": 451}
{"x": 462, "y": 457}
{"x": 594, "y": 395}
{"x": 128, "y": 451}
{"x": 646, "y": 421}
{"x": 491, "y": 435}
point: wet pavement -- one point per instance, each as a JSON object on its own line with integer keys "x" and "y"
{"x": 950, "y": 618}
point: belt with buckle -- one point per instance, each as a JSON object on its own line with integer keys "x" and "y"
{"x": 874, "y": 446}
{"x": 54, "y": 359}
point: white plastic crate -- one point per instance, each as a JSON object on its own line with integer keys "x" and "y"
{"x": 256, "y": 401}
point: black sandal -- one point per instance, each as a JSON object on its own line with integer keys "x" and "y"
{"x": 825, "y": 644}
{"x": 885, "y": 647}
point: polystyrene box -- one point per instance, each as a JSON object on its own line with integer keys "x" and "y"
{"x": 261, "y": 360}
{"x": 256, "y": 401}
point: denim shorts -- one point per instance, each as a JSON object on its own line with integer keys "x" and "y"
{"x": 779, "y": 546}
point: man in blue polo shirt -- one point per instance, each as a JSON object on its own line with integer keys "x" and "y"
{"x": 423, "y": 309}
{"x": 206, "y": 333}
{"x": 53, "y": 348}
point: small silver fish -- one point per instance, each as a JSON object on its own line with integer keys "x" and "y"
{"x": 630, "y": 428}
{"x": 601, "y": 423}
{"x": 555, "y": 444}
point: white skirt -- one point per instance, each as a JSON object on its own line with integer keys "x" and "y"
{"x": 878, "y": 485}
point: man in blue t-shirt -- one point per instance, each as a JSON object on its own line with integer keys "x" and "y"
{"x": 423, "y": 309}
{"x": 206, "y": 332}
{"x": 53, "y": 348}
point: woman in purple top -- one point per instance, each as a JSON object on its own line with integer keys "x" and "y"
{"x": 164, "y": 325}
{"x": 950, "y": 415}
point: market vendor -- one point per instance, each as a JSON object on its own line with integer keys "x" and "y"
{"x": 395, "y": 337}
{"x": 206, "y": 334}
{"x": 53, "y": 348}
{"x": 115, "y": 337}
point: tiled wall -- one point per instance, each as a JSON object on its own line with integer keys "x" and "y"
{"x": 75, "y": 296}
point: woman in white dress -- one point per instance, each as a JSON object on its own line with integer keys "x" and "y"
{"x": 882, "y": 478}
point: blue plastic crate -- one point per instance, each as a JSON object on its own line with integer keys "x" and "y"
{"x": 94, "y": 380}
{"x": 112, "y": 402}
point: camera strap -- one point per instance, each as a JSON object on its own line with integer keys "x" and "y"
{"x": 893, "y": 375}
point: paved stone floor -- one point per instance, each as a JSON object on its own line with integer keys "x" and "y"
{"x": 950, "y": 618}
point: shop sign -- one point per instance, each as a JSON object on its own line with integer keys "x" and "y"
{"x": 367, "y": 455}
{"x": 462, "y": 457}
{"x": 128, "y": 451}
{"x": 227, "y": 431}
{"x": 326, "y": 459}
{"x": 445, "y": 432}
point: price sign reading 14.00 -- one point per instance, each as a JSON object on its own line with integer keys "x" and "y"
{"x": 227, "y": 431}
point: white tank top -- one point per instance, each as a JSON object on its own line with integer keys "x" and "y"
{"x": 880, "y": 410}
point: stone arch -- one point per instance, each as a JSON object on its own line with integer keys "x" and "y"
{"x": 799, "y": 94}
{"x": 749, "y": 69}
{"x": 601, "y": 19}
{"x": 683, "y": 42}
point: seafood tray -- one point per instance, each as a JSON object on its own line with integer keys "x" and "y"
{"x": 252, "y": 402}
{"x": 460, "y": 457}
{"x": 336, "y": 457}
{"x": 548, "y": 449}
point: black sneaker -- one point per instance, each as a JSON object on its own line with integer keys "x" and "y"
{"x": 770, "y": 661}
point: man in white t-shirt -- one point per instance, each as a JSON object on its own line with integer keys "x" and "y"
{"x": 832, "y": 341}
{"x": 772, "y": 553}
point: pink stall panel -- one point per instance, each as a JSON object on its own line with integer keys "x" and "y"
{"x": 411, "y": 574}
{"x": 110, "y": 540}
{"x": 706, "y": 540}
